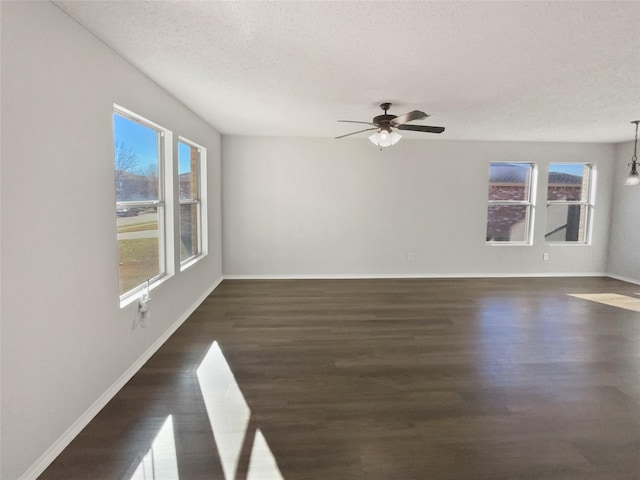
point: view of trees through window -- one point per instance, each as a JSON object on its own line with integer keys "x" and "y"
{"x": 139, "y": 207}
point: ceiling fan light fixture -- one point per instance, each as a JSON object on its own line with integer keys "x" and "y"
{"x": 384, "y": 126}
{"x": 633, "y": 178}
{"x": 385, "y": 138}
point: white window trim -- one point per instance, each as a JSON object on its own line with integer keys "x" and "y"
{"x": 203, "y": 238}
{"x": 530, "y": 203}
{"x": 166, "y": 243}
{"x": 589, "y": 203}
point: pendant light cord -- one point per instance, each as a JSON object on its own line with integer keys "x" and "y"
{"x": 635, "y": 146}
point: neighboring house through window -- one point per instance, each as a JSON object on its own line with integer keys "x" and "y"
{"x": 142, "y": 186}
{"x": 511, "y": 201}
{"x": 192, "y": 162}
{"x": 569, "y": 202}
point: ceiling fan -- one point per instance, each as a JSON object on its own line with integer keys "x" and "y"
{"x": 384, "y": 124}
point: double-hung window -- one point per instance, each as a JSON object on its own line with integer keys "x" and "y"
{"x": 192, "y": 187}
{"x": 569, "y": 202}
{"x": 142, "y": 186}
{"x": 511, "y": 202}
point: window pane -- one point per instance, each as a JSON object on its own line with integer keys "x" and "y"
{"x": 189, "y": 169}
{"x": 509, "y": 181}
{"x": 137, "y": 160}
{"x": 566, "y": 223}
{"x": 138, "y": 247}
{"x": 188, "y": 160}
{"x": 189, "y": 246}
{"x": 567, "y": 181}
{"x": 507, "y": 223}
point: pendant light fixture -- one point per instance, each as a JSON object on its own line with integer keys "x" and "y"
{"x": 633, "y": 178}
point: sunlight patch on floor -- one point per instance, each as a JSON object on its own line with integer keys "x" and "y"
{"x": 262, "y": 465}
{"x": 226, "y": 407}
{"x": 160, "y": 462}
{"x": 612, "y": 299}
{"x": 229, "y": 416}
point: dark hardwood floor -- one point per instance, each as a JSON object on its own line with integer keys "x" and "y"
{"x": 381, "y": 379}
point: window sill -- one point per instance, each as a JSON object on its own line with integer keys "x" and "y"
{"x": 191, "y": 261}
{"x": 568, "y": 244}
{"x": 135, "y": 295}
{"x": 508, "y": 244}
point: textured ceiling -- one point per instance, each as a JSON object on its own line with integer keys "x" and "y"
{"x": 539, "y": 71}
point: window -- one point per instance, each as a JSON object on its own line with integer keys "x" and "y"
{"x": 142, "y": 184}
{"x": 569, "y": 202}
{"x": 192, "y": 177}
{"x": 510, "y": 211}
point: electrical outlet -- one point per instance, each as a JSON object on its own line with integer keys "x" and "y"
{"x": 545, "y": 256}
{"x": 410, "y": 256}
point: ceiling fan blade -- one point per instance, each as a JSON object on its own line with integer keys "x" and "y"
{"x": 421, "y": 128}
{"x": 359, "y": 131}
{"x": 409, "y": 117}
{"x": 355, "y": 121}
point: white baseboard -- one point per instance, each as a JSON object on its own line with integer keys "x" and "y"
{"x": 411, "y": 275}
{"x": 65, "y": 439}
{"x": 624, "y": 279}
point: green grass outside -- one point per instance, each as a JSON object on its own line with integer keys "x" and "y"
{"x": 138, "y": 227}
{"x": 138, "y": 261}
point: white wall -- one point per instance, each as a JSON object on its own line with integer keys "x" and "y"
{"x": 65, "y": 340}
{"x": 314, "y": 207}
{"x": 624, "y": 244}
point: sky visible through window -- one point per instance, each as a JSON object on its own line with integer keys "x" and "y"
{"x": 184, "y": 158}
{"x": 140, "y": 138}
{"x": 576, "y": 169}
{"x": 144, "y": 142}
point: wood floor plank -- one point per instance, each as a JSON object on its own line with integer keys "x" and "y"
{"x": 381, "y": 379}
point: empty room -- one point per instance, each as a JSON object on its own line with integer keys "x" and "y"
{"x": 299, "y": 240}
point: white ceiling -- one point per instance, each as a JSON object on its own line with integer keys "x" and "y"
{"x": 539, "y": 71}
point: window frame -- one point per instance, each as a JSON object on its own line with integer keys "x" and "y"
{"x": 529, "y": 203}
{"x": 589, "y": 205}
{"x": 200, "y": 202}
{"x": 164, "y": 205}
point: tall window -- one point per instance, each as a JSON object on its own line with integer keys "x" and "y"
{"x": 569, "y": 202}
{"x": 141, "y": 186}
{"x": 191, "y": 171}
{"x": 510, "y": 211}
